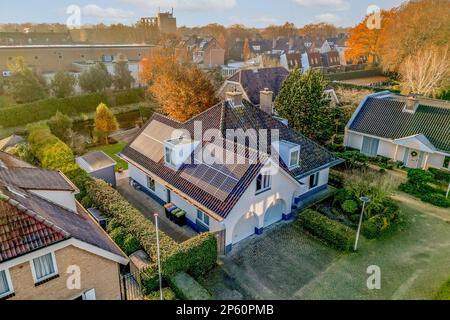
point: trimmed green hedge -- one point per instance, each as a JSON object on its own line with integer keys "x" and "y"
{"x": 168, "y": 294}
{"x": 195, "y": 256}
{"x": 334, "y": 233}
{"x": 187, "y": 288}
{"x": 23, "y": 114}
{"x": 439, "y": 174}
{"x": 354, "y": 74}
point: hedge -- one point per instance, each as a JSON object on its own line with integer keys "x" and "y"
{"x": 187, "y": 288}
{"x": 334, "y": 233}
{"x": 54, "y": 154}
{"x": 23, "y": 114}
{"x": 440, "y": 175}
{"x": 354, "y": 74}
{"x": 168, "y": 294}
{"x": 195, "y": 256}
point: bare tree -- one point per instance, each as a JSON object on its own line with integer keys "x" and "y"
{"x": 426, "y": 72}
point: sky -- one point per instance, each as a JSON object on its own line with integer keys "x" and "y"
{"x": 252, "y": 13}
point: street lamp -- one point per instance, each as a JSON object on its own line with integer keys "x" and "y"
{"x": 364, "y": 200}
{"x": 158, "y": 255}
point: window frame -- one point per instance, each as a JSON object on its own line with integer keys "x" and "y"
{"x": 315, "y": 181}
{"x": 149, "y": 180}
{"x": 297, "y": 158}
{"x": 33, "y": 271}
{"x": 266, "y": 183}
{"x": 169, "y": 150}
{"x": 8, "y": 283}
{"x": 201, "y": 218}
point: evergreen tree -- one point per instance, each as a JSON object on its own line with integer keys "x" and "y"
{"x": 95, "y": 79}
{"x": 302, "y": 101}
{"x": 122, "y": 78}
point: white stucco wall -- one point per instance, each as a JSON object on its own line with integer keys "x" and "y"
{"x": 65, "y": 199}
{"x": 436, "y": 160}
{"x": 354, "y": 140}
{"x": 140, "y": 177}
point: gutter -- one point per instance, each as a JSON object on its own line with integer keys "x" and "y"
{"x": 328, "y": 165}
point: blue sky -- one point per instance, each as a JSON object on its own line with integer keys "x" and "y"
{"x": 256, "y": 13}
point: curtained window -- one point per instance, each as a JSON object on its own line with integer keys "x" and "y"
{"x": 44, "y": 267}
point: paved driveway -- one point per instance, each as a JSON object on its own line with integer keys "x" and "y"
{"x": 285, "y": 263}
{"x": 148, "y": 207}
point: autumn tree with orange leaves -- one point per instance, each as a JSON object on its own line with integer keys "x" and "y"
{"x": 364, "y": 40}
{"x": 182, "y": 91}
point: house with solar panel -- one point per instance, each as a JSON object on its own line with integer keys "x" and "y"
{"x": 237, "y": 199}
{"x": 413, "y": 130}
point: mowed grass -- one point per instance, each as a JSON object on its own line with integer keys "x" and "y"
{"x": 444, "y": 292}
{"x": 113, "y": 150}
{"x": 6, "y": 101}
{"x": 414, "y": 264}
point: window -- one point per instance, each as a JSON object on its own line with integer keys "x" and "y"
{"x": 151, "y": 183}
{"x": 169, "y": 156}
{"x": 370, "y": 146}
{"x": 262, "y": 183}
{"x": 5, "y": 283}
{"x": 203, "y": 218}
{"x": 314, "y": 180}
{"x": 293, "y": 161}
{"x": 44, "y": 267}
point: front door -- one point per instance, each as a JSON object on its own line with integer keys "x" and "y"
{"x": 414, "y": 158}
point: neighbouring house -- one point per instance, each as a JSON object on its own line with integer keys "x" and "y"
{"x": 99, "y": 165}
{"x": 10, "y": 142}
{"x": 252, "y": 82}
{"x": 178, "y": 163}
{"x": 290, "y": 61}
{"x": 261, "y": 86}
{"x": 413, "y": 130}
{"x": 204, "y": 51}
{"x": 50, "y": 247}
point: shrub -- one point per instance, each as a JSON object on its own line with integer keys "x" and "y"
{"x": 440, "y": 175}
{"x": 334, "y": 233}
{"x": 374, "y": 226}
{"x": 443, "y": 292}
{"x": 118, "y": 235}
{"x": 187, "y": 288}
{"x": 436, "y": 199}
{"x": 353, "y": 159}
{"x": 168, "y": 294}
{"x": 130, "y": 244}
{"x": 419, "y": 177}
{"x": 349, "y": 206}
{"x": 19, "y": 115}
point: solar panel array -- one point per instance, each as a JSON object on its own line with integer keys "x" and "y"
{"x": 215, "y": 177}
{"x": 150, "y": 142}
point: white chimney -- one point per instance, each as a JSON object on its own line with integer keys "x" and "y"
{"x": 266, "y": 101}
{"x": 234, "y": 98}
{"x": 411, "y": 104}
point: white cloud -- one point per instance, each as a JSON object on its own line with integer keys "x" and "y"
{"x": 338, "y": 5}
{"x": 102, "y": 14}
{"x": 329, "y": 18}
{"x": 184, "y": 5}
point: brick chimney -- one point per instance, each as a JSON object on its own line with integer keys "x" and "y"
{"x": 266, "y": 101}
{"x": 235, "y": 98}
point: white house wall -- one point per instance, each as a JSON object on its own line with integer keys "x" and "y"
{"x": 140, "y": 177}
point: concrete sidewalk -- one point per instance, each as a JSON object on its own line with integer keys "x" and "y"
{"x": 148, "y": 207}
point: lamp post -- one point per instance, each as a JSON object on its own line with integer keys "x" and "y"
{"x": 448, "y": 190}
{"x": 364, "y": 200}
{"x": 159, "y": 259}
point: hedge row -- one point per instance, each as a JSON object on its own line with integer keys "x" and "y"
{"x": 334, "y": 233}
{"x": 354, "y": 74}
{"x": 440, "y": 175}
{"x": 195, "y": 256}
{"x": 185, "y": 287}
{"x": 23, "y": 114}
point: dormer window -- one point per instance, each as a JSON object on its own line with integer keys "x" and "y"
{"x": 289, "y": 152}
{"x": 294, "y": 158}
{"x": 169, "y": 156}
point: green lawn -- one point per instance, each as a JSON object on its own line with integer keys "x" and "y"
{"x": 6, "y": 101}
{"x": 112, "y": 150}
{"x": 414, "y": 263}
{"x": 444, "y": 292}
